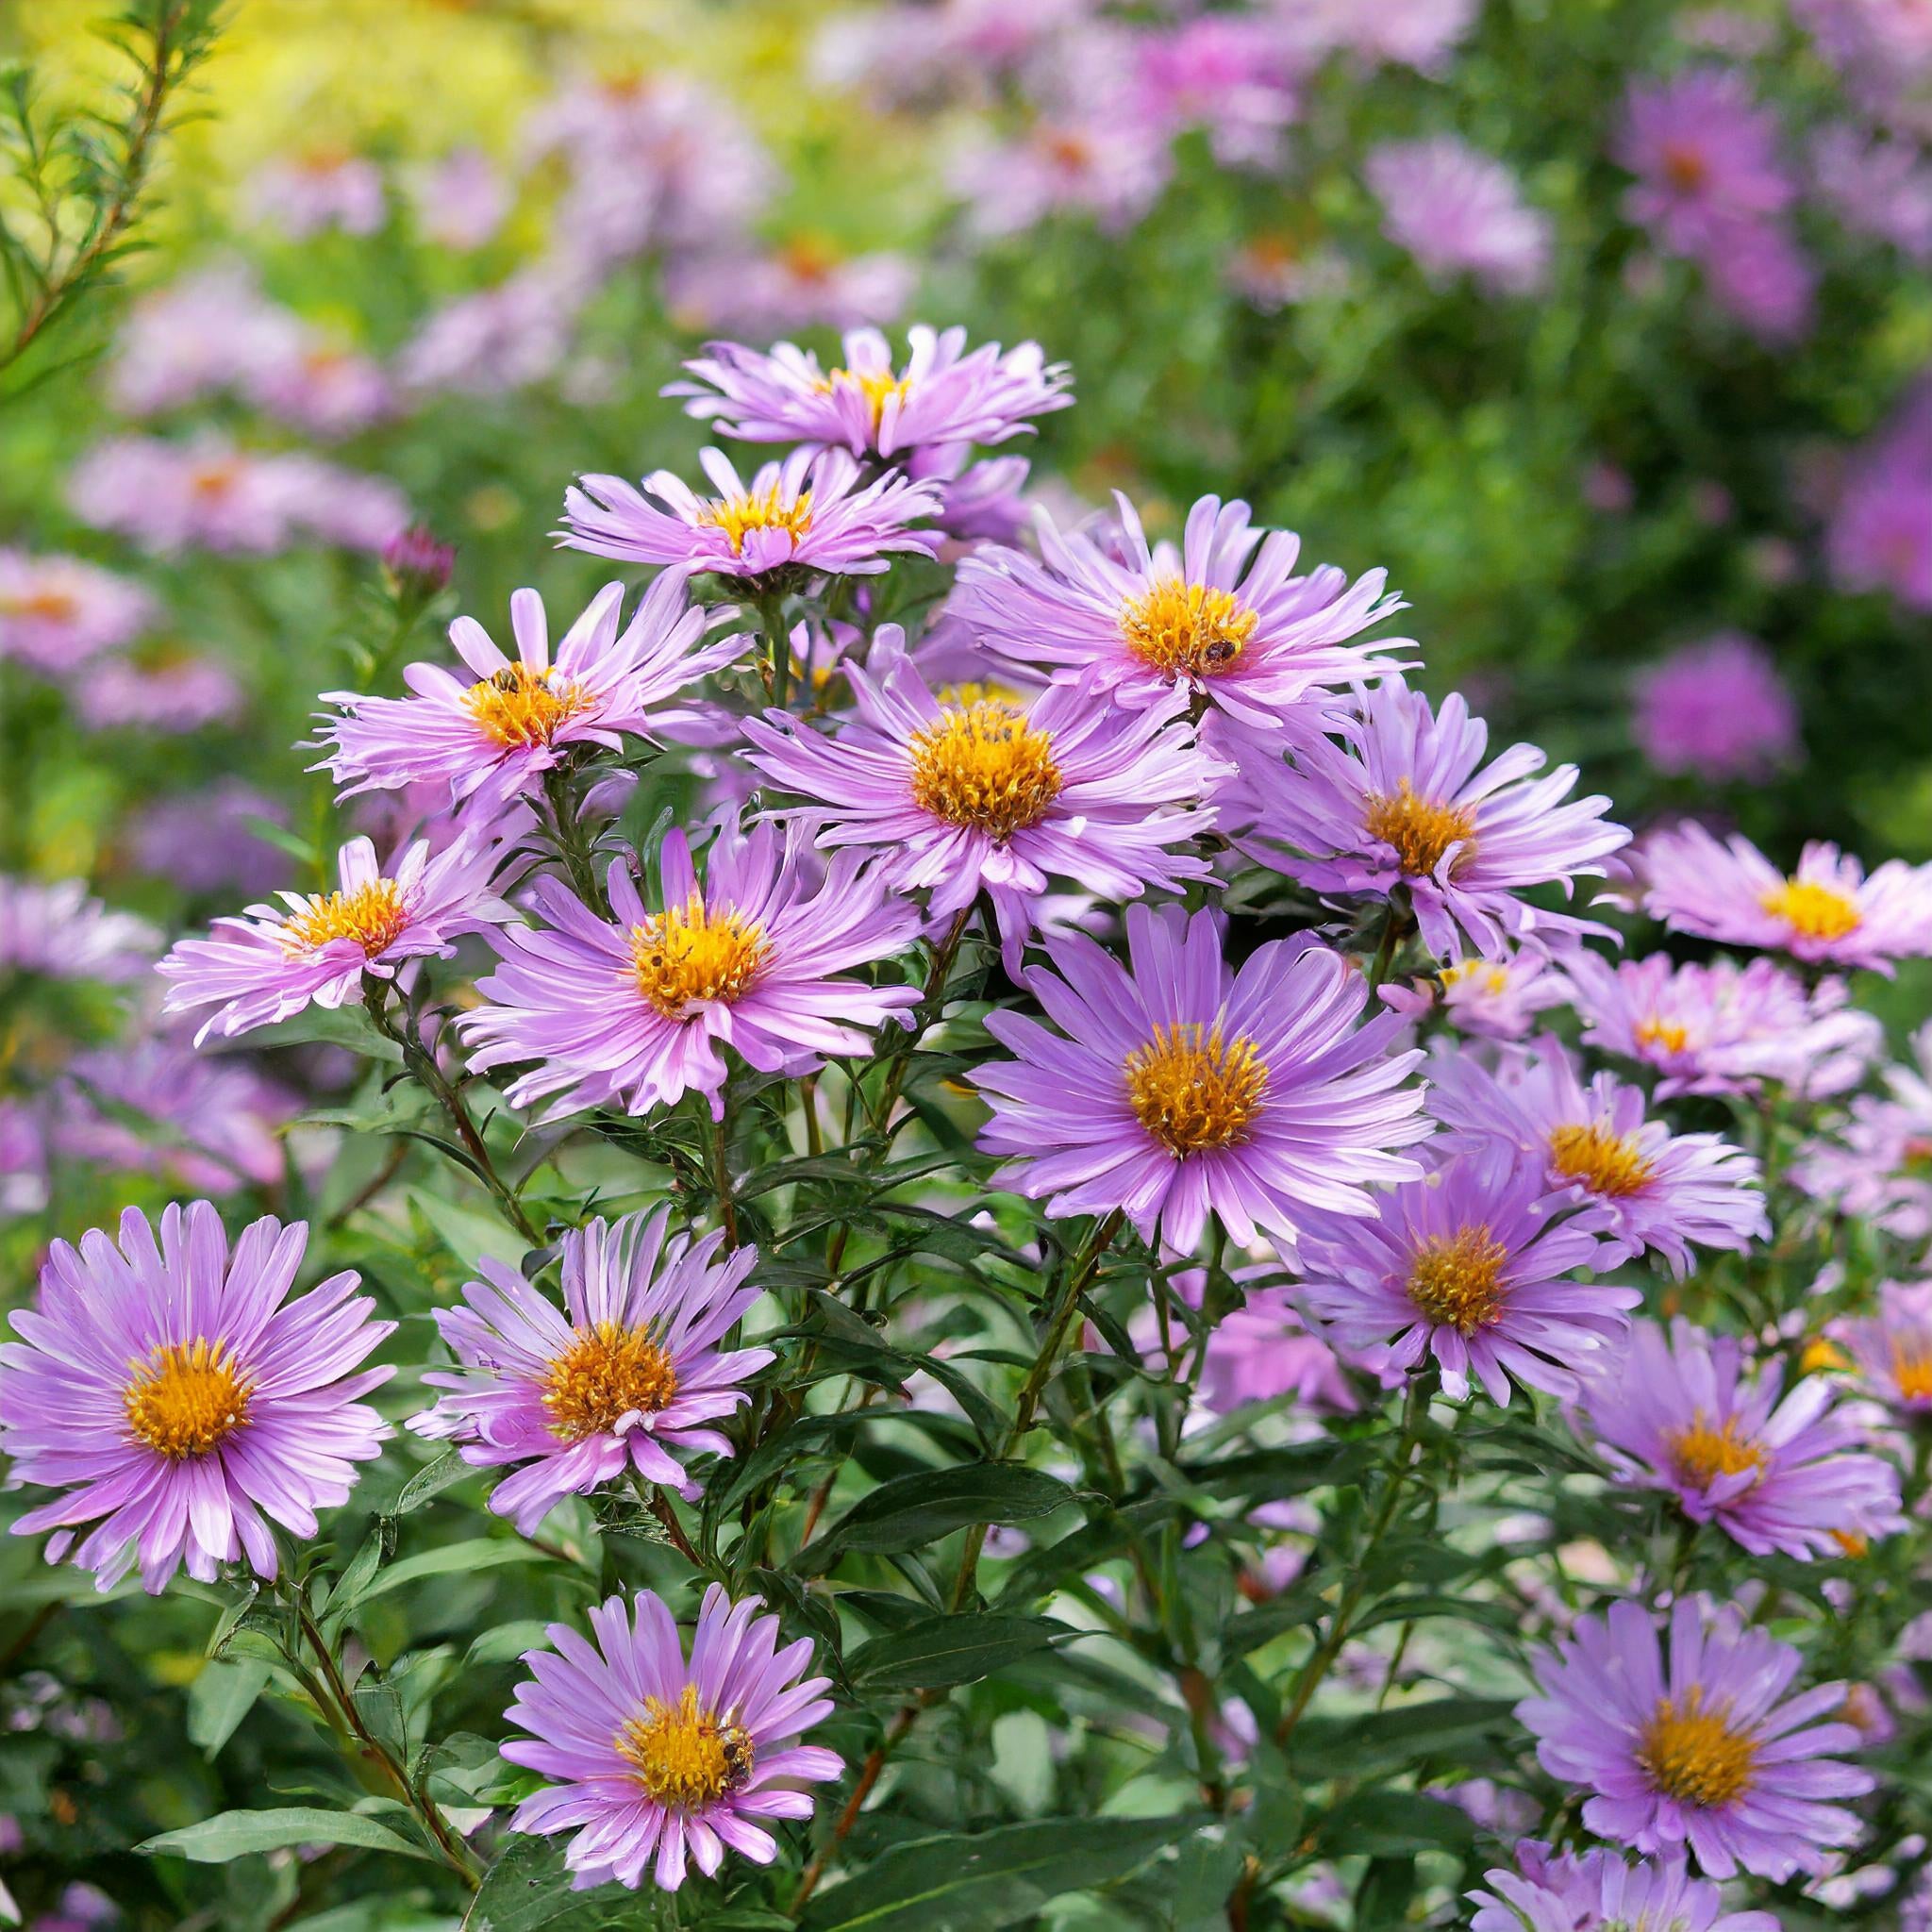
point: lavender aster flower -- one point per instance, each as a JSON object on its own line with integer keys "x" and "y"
{"x": 60, "y": 931}
{"x": 1498, "y": 999}
{"x": 649, "y": 1754}
{"x": 316, "y": 948}
{"x": 1225, "y": 616}
{"x": 1458, "y": 212}
{"x": 1716, "y": 709}
{"x": 182, "y": 1400}
{"x": 1697, "y": 1746}
{"x": 1828, "y": 909}
{"x": 1773, "y": 1475}
{"x": 513, "y": 720}
{"x": 1182, "y": 1088}
{"x": 1406, "y": 801}
{"x": 1598, "y": 1891}
{"x": 1724, "y": 1029}
{"x": 1469, "y": 1266}
{"x": 867, "y": 405}
{"x": 627, "y": 1370}
{"x": 1645, "y": 1187}
{"x": 1878, "y": 1167}
{"x": 803, "y": 512}
{"x": 632, "y": 1011}
{"x": 57, "y": 611}
{"x": 984, "y": 794}
{"x": 1893, "y": 1348}
{"x": 1706, "y": 157}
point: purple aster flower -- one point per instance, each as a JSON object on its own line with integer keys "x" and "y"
{"x": 511, "y": 719}
{"x": 193, "y": 338}
{"x": 985, "y": 795}
{"x": 313, "y": 380}
{"x": 416, "y": 564}
{"x": 1183, "y": 1089}
{"x": 1706, "y": 157}
{"x": 1878, "y": 1168}
{"x": 1469, "y": 1266}
{"x": 1696, "y": 1746}
{"x": 208, "y": 842}
{"x": 1264, "y": 1350}
{"x": 1408, "y": 801}
{"x": 459, "y": 201}
{"x": 627, "y": 1370}
{"x": 1677, "y": 1416}
{"x": 321, "y": 187}
{"x": 867, "y": 403}
{"x": 57, "y": 611}
{"x": 316, "y": 948}
{"x": 1877, "y": 186}
{"x": 1460, "y": 213}
{"x": 1224, "y": 616}
{"x": 60, "y": 931}
{"x": 1762, "y": 279}
{"x": 1104, "y": 158}
{"x": 182, "y": 1400}
{"x": 1234, "y": 77}
{"x": 803, "y": 512}
{"x": 648, "y": 1755}
{"x": 1498, "y": 999}
{"x": 1421, "y": 34}
{"x": 1827, "y": 910}
{"x": 804, "y": 283}
{"x": 1645, "y": 1187}
{"x": 1724, "y": 1029}
{"x": 1880, "y": 537}
{"x": 1598, "y": 1891}
{"x": 632, "y": 1011}
{"x": 1716, "y": 709}
{"x": 1892, "y": 1349}
{"x": 496, "y": 340}
{"x": 174, "y": 694}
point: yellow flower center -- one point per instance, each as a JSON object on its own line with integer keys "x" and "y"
{"x": 1187, "y": 631}
{"x": 186, "y": 1399}
{"x": 1911, "y": 1369}
{"x": 1702, "y": 1453}
{"x": 1454, "y": 1279}
{"x": 1667, "y": 1036}
{"x": 687, "y": 1757}
{"x": 986, "y": 767}
{"x": 607, "y": 1372}
{"x": 1693, "y": 1755}
{"x": 685, "y": 957}
{"x": 1192, "y": 1089}
{"x": 1813, "y": 912}
{"x": 213, "y": 480}
{"x": 521, "y": 707}
{"x": 874, "y": 385}
{"x": 1420, "y": 831}
{"x": 1855, "y": 1543}
{"x": 1480, "y": 973}
{"x": 1684, "y": 166}
{"x": 372, "y": 915}
{"x": 1605, "y": 1162}
{"x": 767, "y": 510}
{"x": 50, "y": 605}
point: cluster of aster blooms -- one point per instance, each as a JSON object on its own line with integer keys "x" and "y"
{"x": 1285, "y": 951}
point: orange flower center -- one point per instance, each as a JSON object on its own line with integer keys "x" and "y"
{"x": 607, "y": 1372}
{"x": 874, "y": 385}
{"x": 372, "y": 915}
{"x": 1420, "y": 831}
{"x": 1605, "y": 1162}
{"x": 51, "y": 606}
{"x": 1187, "y": 631}
{"x": 1911, "y": 1370}
{"x": 686, "y": 1756}
{"x": 983, "y": 765}
{"x": 1685, "y": 166}
{"x": 1693, "y": 1754}
{"x": 186, "y": 1399}
{"x": 686, "y": 957}
{"x": 1192, "y": 1089}
{"x": 1813, "y": 912}
{"x": 1703, "y": 1453}
{"x": 1454, "y": 1280}
{"x": 521, "y": 707}
{"x": 768, "y": 509}
{"x": 1667, "y": 1036}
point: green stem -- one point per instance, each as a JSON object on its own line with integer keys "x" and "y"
{"x": 567, "y": 831}
{"x": 771, "y": 609}
{"x": 721, "y": 1171}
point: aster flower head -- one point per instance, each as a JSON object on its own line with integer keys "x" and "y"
{"x": 1706, "y": 157}
{"x": 980, "y": 792}
{"x": 868, "y": 405}
{"x": 315, "y": 948}
{"x": 1178, "y": 1088}
{"x": 55, "y": 611}
{"x": 1407, "y": 800}
{"x": 1878, "y": 1165}
{"x": 1724, "y": 1029}
{"x": 634, "y": 1011}
{"x": 1497, "y": 999}
{"x": 627, "y": 1371}
{"x": 1222, "y": 617}
{"x": 802, "y": 283}
{"x": 1694, "y": 1746}
{"x": 804, "y": 512}
{"x": 1598, "y": 1891}
{"x": 172, "y": 693}
{"x": 181, "y": 1401}
{"x": 1892, "y": 1349}
{"x": 510, "y": 720}
{"x": 1717, "y": 709}
{"x": 1643, "y": 1186}
{"x": 1827, "y": 910}
{"x": 61, "y": 931}
{"x": 319, "y": 187}
{"x": 658, "y": 1763}
{"x": 1105, "y": 158}
{"x": 1460, "y": 213}
{"x": 1680, "y": 1416}
{"x": 1469, "y": 1267}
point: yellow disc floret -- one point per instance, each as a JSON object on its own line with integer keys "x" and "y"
{"x": 186, "y": 1399}
{"x": 984, "y": 766}
{"x": 1193, "y": 1089}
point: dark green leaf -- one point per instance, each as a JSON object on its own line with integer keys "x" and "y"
{"x": 939, "y": 1652}
{"x": 910, "y": 1511}
{"x": 236, "y": 1834}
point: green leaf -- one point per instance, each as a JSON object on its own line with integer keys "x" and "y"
{"x": 478, "y": 1553}
{"x": 973, "y": 1882}
{"x": 468, "y": 1235}
{"x": 1371, "y": 1741}
{"x": 911, "y": 1511}
{"x": 1391, "y": 1824}
{"x": 505, "y": 1640}
{"x": 939, "y": 1652}
{"x": 236, "y": 1834}
{"x": 221, "y": 1696}
{"x": 431, "y": 1480}
{"x": 348, "y": 1026}
{"x": 529, "y": 1887}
